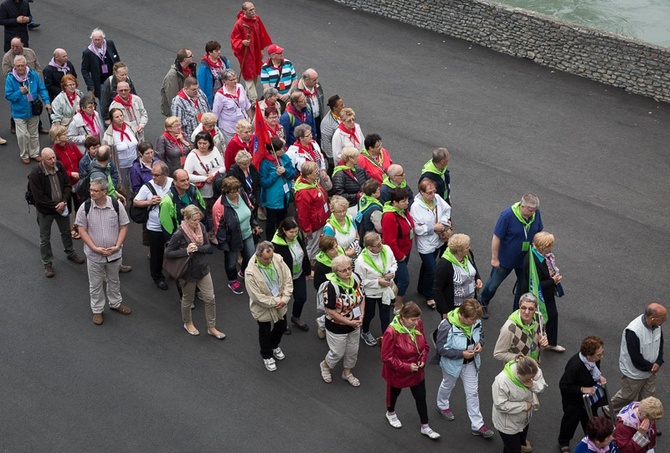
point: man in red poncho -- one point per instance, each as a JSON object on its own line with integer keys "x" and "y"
{"x": 248, "y": 39}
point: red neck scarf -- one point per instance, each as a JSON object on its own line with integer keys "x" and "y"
{"x": 127, "y": 104}
{"x": 90, "y": 122}
{"x": 273, "y": 132}
{"x": 186, "y": 71}
{"x": 246, "y": 146}
{"x": 309, "y": 93}
{"x": 214, "y": 64}
{"x": 235, "y": 97}
{"x": 309, "y": 151}
{"x": 122, "y": 131}
{"x": 185, "y": 96}
{"x": 350, "y": 132}
{"x": 174, "y": 141}
{"x": 71, "y": 97}
{"x": 301, "y": 116}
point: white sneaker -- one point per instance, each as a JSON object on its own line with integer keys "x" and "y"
{"x": 278, "y": 353}
{"x": 393, "y": 420}
{"x": 270, "y": 364}
{"x": 426, "y": 431}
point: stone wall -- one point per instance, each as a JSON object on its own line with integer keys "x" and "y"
{"x": 634, "y": 65}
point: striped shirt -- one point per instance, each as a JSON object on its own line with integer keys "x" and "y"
{"x": 270, "y": 76}
{"x": 102, "y": 225}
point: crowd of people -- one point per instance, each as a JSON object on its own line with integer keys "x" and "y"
{"x": 337, "y": 210}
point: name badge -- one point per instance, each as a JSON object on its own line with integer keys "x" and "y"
{"x": 356, "y": 312}
{"x": 525, "y": 246}
{"x": 325, "y": 208}
{"x": 286, "y": 189}
{"x": 104, "y": 69}
{"x": 29, "y": 96}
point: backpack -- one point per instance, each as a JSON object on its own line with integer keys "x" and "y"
{"x": 322, "y": 294}
{"x": 141, "y": 215}
{"x": 30, "y": 199}
{"x": 87, "y": 206}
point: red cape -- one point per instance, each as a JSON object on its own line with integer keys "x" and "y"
{"x": 254, "y": 30}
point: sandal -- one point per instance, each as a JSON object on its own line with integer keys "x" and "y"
{"x": 431, "y": 304}
{"x": 325, "y": 374}
{"x": 351, "y": 379}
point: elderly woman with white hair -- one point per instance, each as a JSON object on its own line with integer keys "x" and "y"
{"x": 345, "y": 308}
{"x": 341, "y": 225}
{"x": 348, "y": 179}
{"x": 208, "y": 124}
{"x": 231, "y": 104}
{"x": 348, "y": 134}
{"x": 244, "y": 171}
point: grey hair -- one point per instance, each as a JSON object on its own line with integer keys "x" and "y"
{"x": 225, "y": 75}
{"x": 530, "y": 200}
{"x": 97, "y": 30}
{"x": 163, "y": 167}
{"x": 338, "y": 261}
{"x": 102, "y": 182}
{"x": 19, "y": 58}
{"x": 301, "y": 130}
{"x": 528, "y": 297}
{"x": 272, "y": 91}
{"x": 262, "y": 247}
{"x": 439, "y": 154}
{"x": 526, "y": 366}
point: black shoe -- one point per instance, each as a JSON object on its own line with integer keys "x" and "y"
{"x": 13, "y": 129}
{"x": 44, "y": 132}
{"x": 485, "y": 312}
{"x": 33, "y": 25}
{"x": 162, "y": 284}
{"x": 299, "y": 324}
{"x": 287, "y": 331}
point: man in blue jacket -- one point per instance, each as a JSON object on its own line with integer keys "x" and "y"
{"x": 23, "y": 90}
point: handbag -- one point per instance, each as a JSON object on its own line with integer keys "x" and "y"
{"x": 560, "y": 292}
{"x": 177, "y": 267}
{"x": 37, "y": 106}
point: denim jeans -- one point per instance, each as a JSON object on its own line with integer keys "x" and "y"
{"x": 230, "y": 258}
{"x": 498, "y": 275}
{"x": 402, "y": 276}
{"x": 427, "y": 274}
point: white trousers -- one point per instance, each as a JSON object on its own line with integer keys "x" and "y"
{"x": 470, "y": 377}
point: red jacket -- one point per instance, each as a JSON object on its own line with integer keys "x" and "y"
{"x": 623, "y": 438}
{"x": 392, "y": 223}
{"x": 309, "y": 205}
{"x": 234, "y": 146}
{"x": 252, "y": 55}
{"x": 398, "y": 352}
{"x": 372, "y": 169}
{"x": 69, "y": 155}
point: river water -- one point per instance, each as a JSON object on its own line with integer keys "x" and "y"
{"x": 648, "y": 20}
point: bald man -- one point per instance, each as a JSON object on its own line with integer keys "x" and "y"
{"x": 53, "y": 72}
{"x": 641, "y": 356}
{"x": 51, "y": 189}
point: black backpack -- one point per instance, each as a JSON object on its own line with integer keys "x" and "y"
{"x": 141, "y": 215}
{"x": 30, "y": 199}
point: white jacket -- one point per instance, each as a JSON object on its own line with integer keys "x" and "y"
{"x": 370, "y": 277}
{"x": 510, "y": 413}
{"x": 427, "y": 240}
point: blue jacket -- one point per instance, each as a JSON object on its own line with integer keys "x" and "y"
{"x": 450, "y": 343}
{"x": 289, "y": 122}
{"x": 272, "y": 185}
{"x": 18, "y": 101}
{"x": 206, "y": 80}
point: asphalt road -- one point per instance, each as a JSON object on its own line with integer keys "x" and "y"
{"x": 596, "y": 156}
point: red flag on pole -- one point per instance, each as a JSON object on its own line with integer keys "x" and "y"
{"x": 262, "y": 137}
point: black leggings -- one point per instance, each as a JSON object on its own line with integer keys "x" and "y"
{"x": 512, "y": 442}
{"x": 419, "y": 394}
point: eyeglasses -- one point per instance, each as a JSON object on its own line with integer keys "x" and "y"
{"x": 346, "y": 269}
{"x": 531, "y": 309}
{"x": 94, "y": 190}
